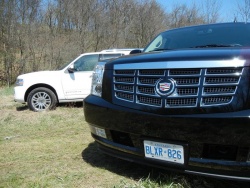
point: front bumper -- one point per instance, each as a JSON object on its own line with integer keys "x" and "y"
{"x": 19, "y": 93}
{"x": 215, "y": 145}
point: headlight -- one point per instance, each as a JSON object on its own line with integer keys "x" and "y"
{"x": 96, "y": 87}
{"x": 19, "y": 82}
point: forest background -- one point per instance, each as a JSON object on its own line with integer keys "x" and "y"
{"x": 45, "y": 34}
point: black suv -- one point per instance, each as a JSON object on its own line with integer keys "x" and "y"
{"x": 183, "y": 104}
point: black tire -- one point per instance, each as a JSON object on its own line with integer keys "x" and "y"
{"x": 41, "y": 99}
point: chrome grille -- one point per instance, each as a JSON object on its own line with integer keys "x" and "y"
{"x": 193, "y": 87}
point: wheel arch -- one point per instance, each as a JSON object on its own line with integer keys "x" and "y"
{"x": 39, "y": 85}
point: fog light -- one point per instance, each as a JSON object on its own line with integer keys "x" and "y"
{"x": 100, "y": 132}
{"x": 98, "y": 89}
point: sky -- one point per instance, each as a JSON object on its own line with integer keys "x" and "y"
{"x": 227, "y": 11}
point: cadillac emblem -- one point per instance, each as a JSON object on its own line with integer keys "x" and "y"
{"x": 165, "y": 87}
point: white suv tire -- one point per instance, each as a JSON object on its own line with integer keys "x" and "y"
{"x": 41, "y": 99}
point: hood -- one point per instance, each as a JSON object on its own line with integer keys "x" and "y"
{"x": 40, "y": 74}
{"x": 184, "y": 55}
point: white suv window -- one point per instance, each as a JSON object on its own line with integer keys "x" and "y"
{"x": 86, "y": 63}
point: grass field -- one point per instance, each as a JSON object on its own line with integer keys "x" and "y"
{"x": 55, "y": 149}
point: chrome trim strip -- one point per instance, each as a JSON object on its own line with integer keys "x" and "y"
{"x": 181, "y": 64}
{"x": 217, "y": 175}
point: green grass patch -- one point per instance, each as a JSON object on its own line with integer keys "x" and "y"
{"x": 6, "y": 91}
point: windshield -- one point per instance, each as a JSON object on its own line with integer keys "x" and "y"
{"x": 204, "y": 36}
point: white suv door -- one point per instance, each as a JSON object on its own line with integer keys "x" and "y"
{"x": 77, "y": 84}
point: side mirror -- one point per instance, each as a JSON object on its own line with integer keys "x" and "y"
{"x": 137, "y": 51}
{"x": 71, "y": 70}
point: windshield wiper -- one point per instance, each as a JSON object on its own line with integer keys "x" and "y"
{"x": 217, "y": 45}
{"x": 160, "y": 49}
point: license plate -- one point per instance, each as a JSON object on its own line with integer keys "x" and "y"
{"x": 164, "y": 151}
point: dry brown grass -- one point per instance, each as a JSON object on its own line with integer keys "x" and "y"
{"x": 55, "y": 149}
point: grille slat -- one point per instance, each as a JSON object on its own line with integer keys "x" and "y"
{"x": 219, "y": 90}
{"x": 124, "y": 87}
{"x": 216, "y": 100}
{"x": 146, "y": 90}
{"x": 124, "y": 79}
{"x": 187, "y": 81}
{"x": 189, "y": 102}
{"x": 125, "y": 96}
{"x": 152, "y": 72}
{"x": 221, "y": 80}
{"x": 124, "y": 72}
{"x": 184, "y": 72}
{"x": 191, "y": 87}
{"x": 152, "y": 101}
{"x": 224, "y": 71}
{"x": 146, "y": 80}
{"x": 187, "y": 91}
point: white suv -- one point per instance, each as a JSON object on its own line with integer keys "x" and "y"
{"x": 43, "y": 90}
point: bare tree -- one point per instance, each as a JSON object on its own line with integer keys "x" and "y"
{"x": 8, "y": 33}
{"x": 148, "y": 20}
{"x": 244, "y": 10}
{"x": 211, "y": 10}
{"x": 182, "y": 15}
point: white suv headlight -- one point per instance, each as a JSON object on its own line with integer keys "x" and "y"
{"x": 19, "y": 82}
{"x": 96, "y": 87}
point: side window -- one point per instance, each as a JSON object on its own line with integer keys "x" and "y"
{"x": 86, "y": 63}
